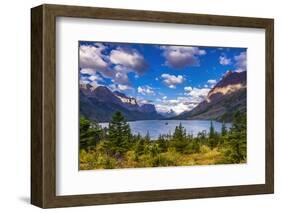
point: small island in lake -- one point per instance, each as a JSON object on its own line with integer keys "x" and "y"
{"x": 143, "y": 105}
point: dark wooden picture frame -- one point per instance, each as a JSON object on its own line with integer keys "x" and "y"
{"x": 43, "y": 105}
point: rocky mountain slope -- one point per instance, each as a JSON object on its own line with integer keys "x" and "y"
{"x": 224, "y": 99}
{"x": 100, "y": 103}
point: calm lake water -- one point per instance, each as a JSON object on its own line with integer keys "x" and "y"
{"x": 157, "y": 127}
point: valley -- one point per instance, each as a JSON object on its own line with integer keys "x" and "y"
{"x": 223, "y": 100}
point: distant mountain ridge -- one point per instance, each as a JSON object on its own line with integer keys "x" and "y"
{"x": 100, "y": 103}
{"x": 223, "y": 100}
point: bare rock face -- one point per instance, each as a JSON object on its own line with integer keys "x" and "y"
{"x": 231, "y": 82}
{"x": 128, "y": 102}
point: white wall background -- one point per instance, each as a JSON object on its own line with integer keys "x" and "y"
{"x": 15, "y": 105}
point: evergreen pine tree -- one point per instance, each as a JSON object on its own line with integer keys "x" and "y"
{"x": 147, "y": 137}
{"x": 195, "y": 145}
{"x": 119, "y": 134}
{"x": 223, "y": 135}
{"x": 212, "y": 130}
{"x": 179, "y": 133}
{"x": 90, "y": 133}
{"x": 179, "y": 138}
{"x": 163, "y": 144}
{"x": 237, "y": 139}
{"x": 139, "y": 147}
{"x": 202, "y": 136}
{"x": 212, "y": 136}
{"x": 223, "y": 129}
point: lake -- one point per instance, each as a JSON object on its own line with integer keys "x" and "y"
{"x": 157, "y": 127}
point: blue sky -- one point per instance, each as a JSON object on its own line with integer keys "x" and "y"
{"x": 171, "y": 77}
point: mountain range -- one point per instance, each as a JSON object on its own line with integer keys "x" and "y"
{"x": 222, "y": 101}
{"x": 100, "y": 103}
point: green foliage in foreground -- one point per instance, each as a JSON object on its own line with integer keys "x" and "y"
{"x": 116, "y": 147}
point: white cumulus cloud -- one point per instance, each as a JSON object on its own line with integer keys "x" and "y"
{"x": 171, "y": 80}
{"x": 121, "y": 78}
{"x": 187, "y": 89}
{"x": 114, "y": 65}
{"x": 146, "y": 90}
{"x": 128, "y": 59}
{"x": 178, "y": 105}
{"x": 92, "y": 58}
{"x": 241, "y": 62}
{"x": 212, "y": 81}
{"x": 88, "y": 71}
{"x": 123, "y": 87}
{"x": 193, "y": 96}
{"x": 196, "y": 95}
{"x": 120, "y": 87}
{"x": 179, "y": 57}
{"x": 224, "y": 60}
{"x": 95, "y": 77}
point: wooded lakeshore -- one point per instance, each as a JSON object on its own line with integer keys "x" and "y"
{"x": 116, "y": 147}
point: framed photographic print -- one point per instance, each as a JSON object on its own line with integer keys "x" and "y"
{"x": 137, "y": 106}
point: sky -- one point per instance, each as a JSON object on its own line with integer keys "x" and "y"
{"x": 171, "y": 77}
